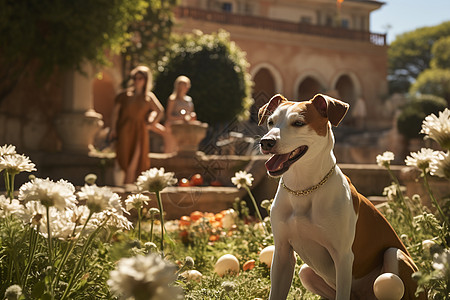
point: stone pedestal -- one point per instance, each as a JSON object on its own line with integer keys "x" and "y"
{"x": 77, "y": 130}
{"x": 188, "y": 135}
{"x": 78, "y": 123}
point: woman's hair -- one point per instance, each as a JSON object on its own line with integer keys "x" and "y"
{"x": 144, "y": 71}
{"x": 176, "y": 84}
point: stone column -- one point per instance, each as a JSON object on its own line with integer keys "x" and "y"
{"x": 78, "y": 123}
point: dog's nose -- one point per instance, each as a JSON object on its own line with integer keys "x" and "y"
{"x": 267, "y": 144}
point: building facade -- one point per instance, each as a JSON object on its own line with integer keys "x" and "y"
{"x": 300, "y": 48}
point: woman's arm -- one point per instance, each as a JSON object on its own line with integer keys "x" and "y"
{"x": 114, "y": 118}
{"x": 158, "y": 110}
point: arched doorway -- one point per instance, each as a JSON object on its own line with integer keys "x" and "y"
{"x": 264, "y": 88}
{"x": 308, "y": 88}
{"x": 346, "y": 89}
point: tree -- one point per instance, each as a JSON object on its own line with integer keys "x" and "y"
{"x": 38, "y": 36}
{"x": 434, "y": 82}
{"x": 218, "y": 72}
{"x": 441, "y": 55}
{"x": 410, "y": 54}
{"x": 149, "y": 37}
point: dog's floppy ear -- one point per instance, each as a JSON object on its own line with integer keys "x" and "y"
{"x": 266, "y": 110}
{"x": 330, "y": 108}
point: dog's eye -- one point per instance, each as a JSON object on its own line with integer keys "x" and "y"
{"x": 298, "y": 124}
{"x": 270, "y": 122}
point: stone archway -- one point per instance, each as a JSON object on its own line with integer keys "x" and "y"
{"x": 264, "y": 82}
{"x": 345, "y": 88}
{"x": 308, "y": 88}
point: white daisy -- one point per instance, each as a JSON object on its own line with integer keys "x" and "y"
{"x": 438, "y": 128}
{"x": 145, "y": 277}
{"x": 7, "y": 150}
{"x": 385, "y": 159}
{"x": 421, "y": 159}
{"x": 440, "y": 165}
{"x": 59, "y": 194}
{"x": 242, "y": 178}
{"x": 155, "y": 180}
{"x": 9, "y": 207}
{"x": 136, "y": 201}
{"x": 16, "y": 163}
{"x": 99, "y": 198}
{"x": 115, "y": 220}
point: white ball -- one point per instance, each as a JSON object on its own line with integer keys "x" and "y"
{"x": 192, "y": 275}
{"x": 388, "y": 286}
{"x": 227, "y": 263}
{"x": 266, "y": 255}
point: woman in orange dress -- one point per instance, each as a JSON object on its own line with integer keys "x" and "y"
{"x": 136, "y": 110}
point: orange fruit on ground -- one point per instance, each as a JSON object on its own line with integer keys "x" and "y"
{"x": 185, "y": 221}
{"x": 196, "y": 180}
{"x": 196, "y": 215}
{"x": 184, "y": 182}
{"x": 248, "y": 265}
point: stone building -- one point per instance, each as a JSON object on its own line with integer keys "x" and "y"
{"x": 300, "y": 48}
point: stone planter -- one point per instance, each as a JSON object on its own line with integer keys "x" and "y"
{"x": 189, "y": 135}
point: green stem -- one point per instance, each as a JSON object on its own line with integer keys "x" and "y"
{"x": 11, "y": 187}
{"x": 70, "y": 248}
{"x": 161, "y": 217}
{"x": 256, "y": 208}
{"x": 435, "y": 203}
{"x": 151, "y": 228}
{"x": 402, "y": 200}
{"x": 139, "y": 222}
{"x": 50, "y": 250}
{"x": 83, "y": 252}
{"x": 34, "y": 235}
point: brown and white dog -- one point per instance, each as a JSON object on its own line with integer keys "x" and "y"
{"x": 341, "y": 237}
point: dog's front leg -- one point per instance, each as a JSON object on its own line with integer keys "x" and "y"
{"x": 282, "y": 270}
{"x": 344, "y": 264}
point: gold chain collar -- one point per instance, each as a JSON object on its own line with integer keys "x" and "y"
{"x": 311, "y": 189}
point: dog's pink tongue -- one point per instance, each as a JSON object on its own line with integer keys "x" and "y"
{"x": 276, "y": 161}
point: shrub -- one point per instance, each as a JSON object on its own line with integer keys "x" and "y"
{"x": 217, "y": 69}
{"x": 409, "y": 122}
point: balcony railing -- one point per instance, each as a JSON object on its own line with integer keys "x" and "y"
{"x": 265, "y": 23}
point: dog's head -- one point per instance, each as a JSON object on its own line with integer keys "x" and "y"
{"x": 296, "y": 128}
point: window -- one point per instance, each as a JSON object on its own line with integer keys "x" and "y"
{"x": 306, "y": 19}
{"x": 227, "y": 6}
{"x": 345, "y": 23}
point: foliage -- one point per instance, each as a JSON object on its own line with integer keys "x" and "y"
{"x": 39, "y": 36}
{"x": 434, "y": 82}
{"x": 218, "y": 72}
{"x": 409, "y": 121}
{"x": 441, "y": 55}
{"x": 149, "y": 36}
{"x": 411, "y": 53}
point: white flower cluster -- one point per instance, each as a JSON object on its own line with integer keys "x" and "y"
{"x": 144, "y": 277}
{"x": 242, "y": 178}
{"x": 436, "y": 163}
{"x": 14, "y": 163}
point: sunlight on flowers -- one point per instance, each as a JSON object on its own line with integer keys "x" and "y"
{"x": 384, "y": 160}
{"x": 155, "y": 180}
{"x": 242, "y": 178}
{"x": 59, "y": 194}
{"x": 16, "y": 163}
{"x": 438, "y": 128}
{"x": 136, "y": 201}
{"x": 421, "y": 159}
{"x": 144, "y": 277}
{"x": 440, "y": 165}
